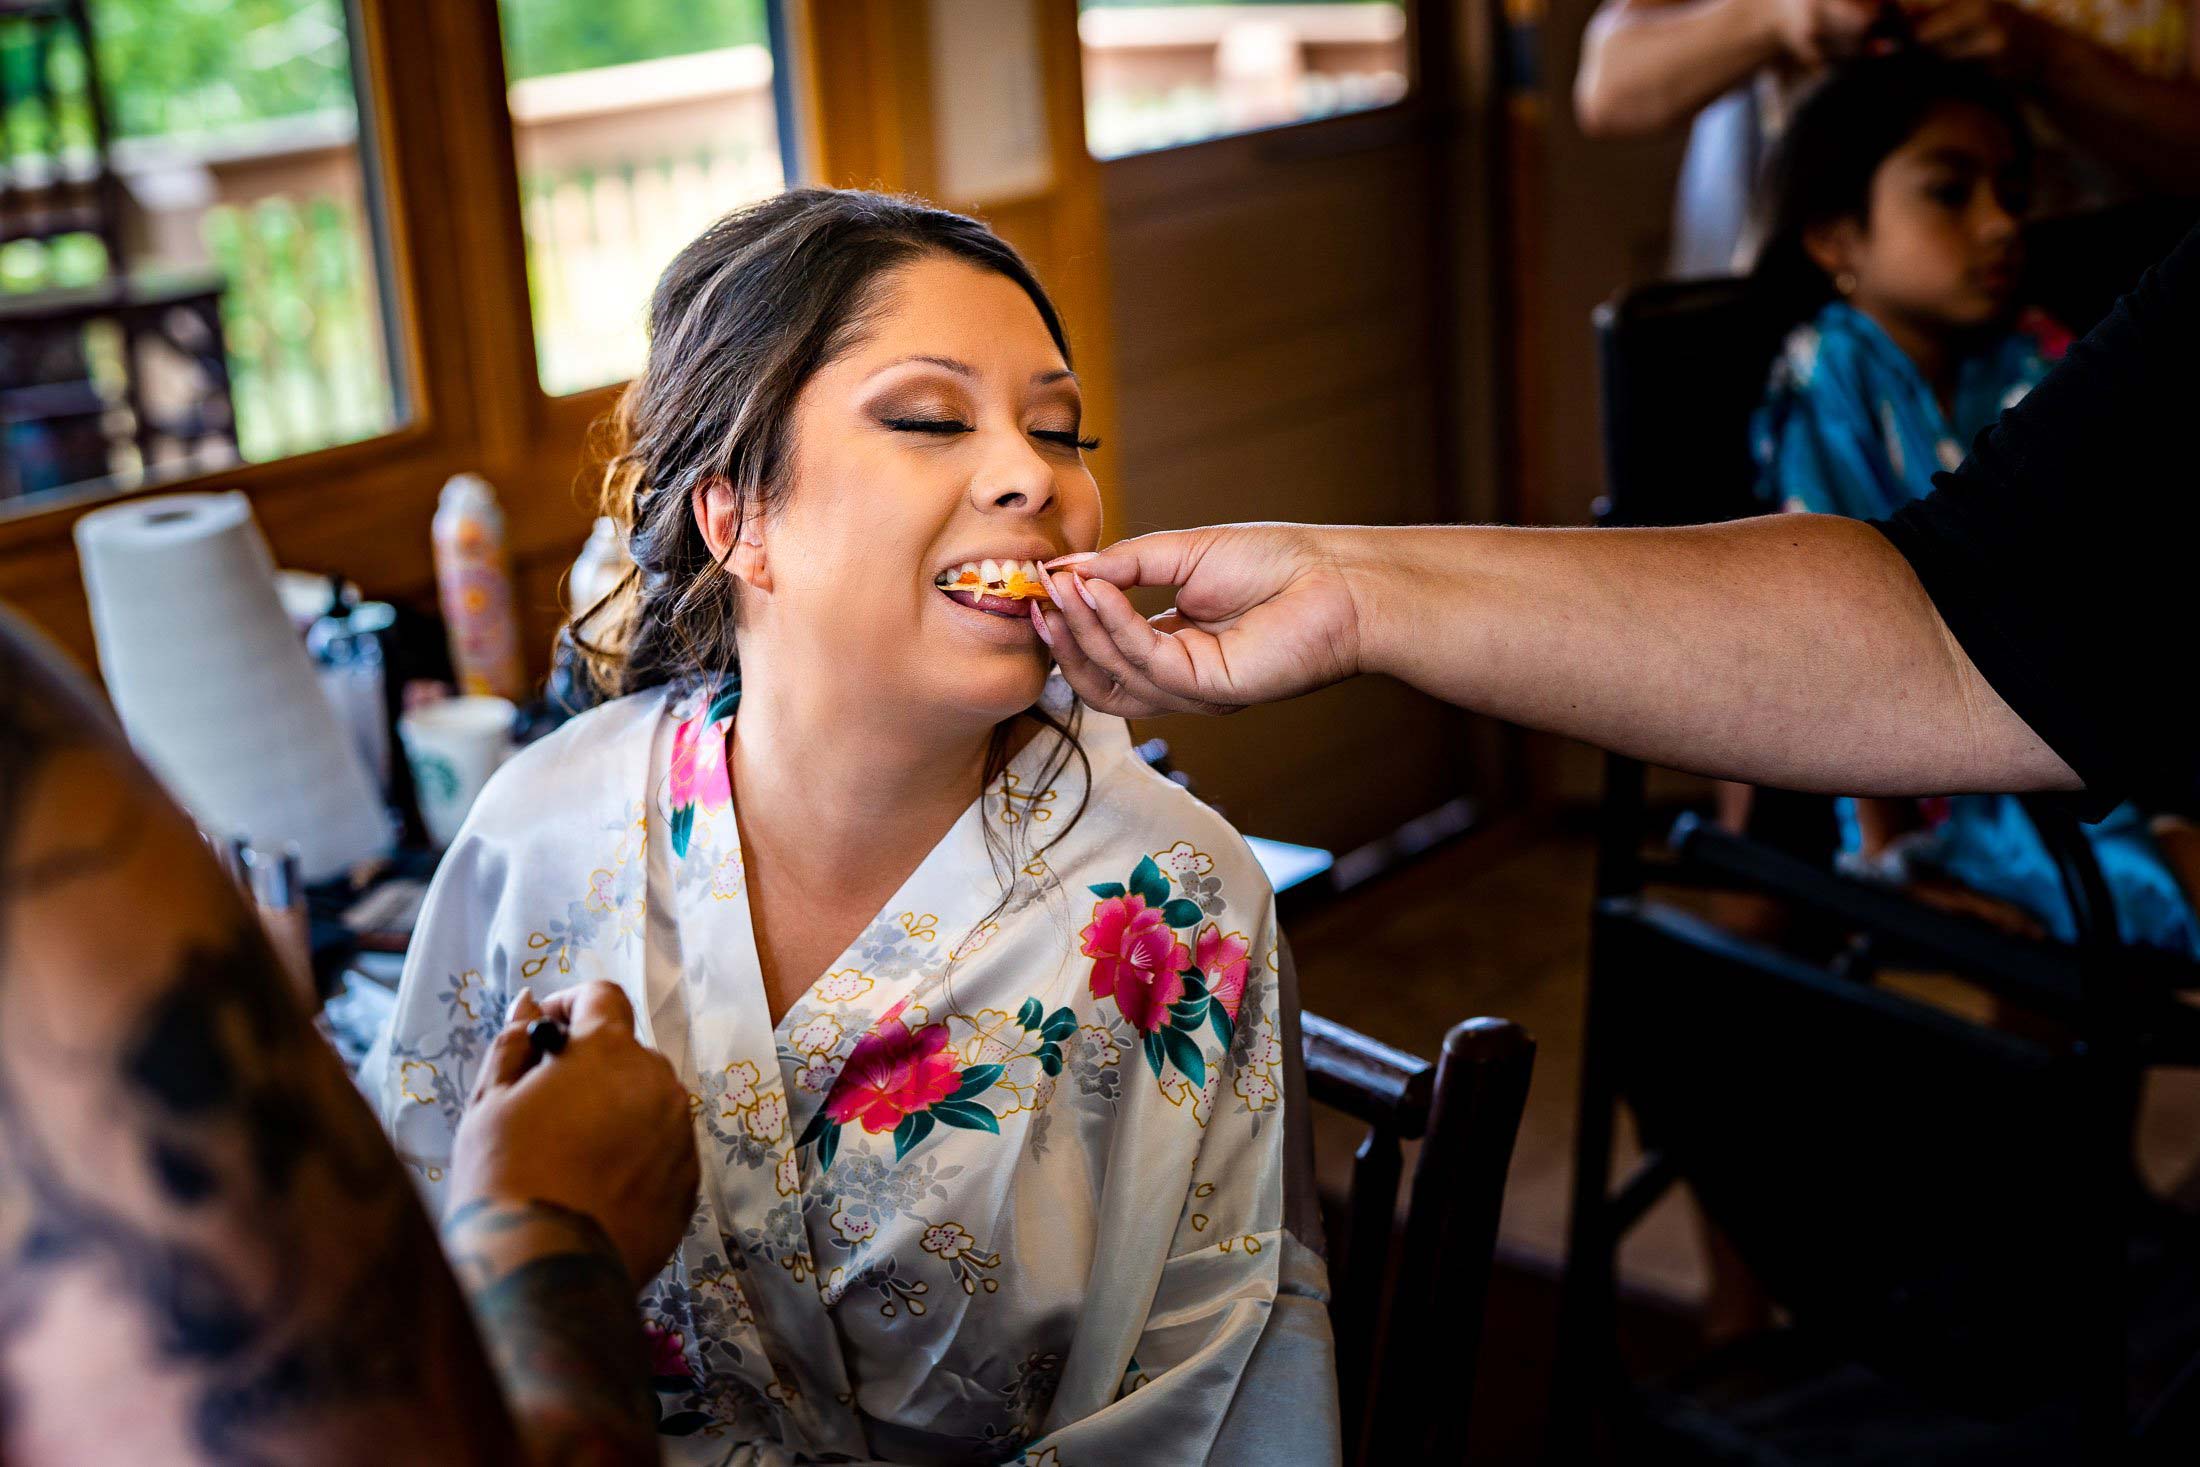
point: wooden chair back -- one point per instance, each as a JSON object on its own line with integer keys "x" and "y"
{"x": 1398, "y": 1289}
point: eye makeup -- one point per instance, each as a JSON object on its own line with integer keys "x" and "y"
{"x": 947, "y": 427}
{"x": 927, "y": 413}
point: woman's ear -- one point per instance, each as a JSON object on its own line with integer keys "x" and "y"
{"x": 736, "y": 540}
{"x": 1832, "y": 247}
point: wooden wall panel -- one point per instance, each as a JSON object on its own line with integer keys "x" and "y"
{"x": 1274, "y": 351}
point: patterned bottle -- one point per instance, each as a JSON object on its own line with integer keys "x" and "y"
{"x": 474, "y": 580}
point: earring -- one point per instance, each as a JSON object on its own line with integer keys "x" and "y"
{"x": 1845, "y": 283}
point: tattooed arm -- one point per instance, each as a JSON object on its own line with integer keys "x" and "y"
{"x": 208, "y": 1252}
{"x": 557, "y": 1308}
{"x": 601, "y": 1131}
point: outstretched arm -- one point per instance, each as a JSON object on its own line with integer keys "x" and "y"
{"x": 208, "y": 1252}
{"x": 1794, "y": 650}
{"x": 2003, "y": 633}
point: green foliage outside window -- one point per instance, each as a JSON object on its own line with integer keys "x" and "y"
{"x": 176, "y": 67}
{"x": 546, "y": 37}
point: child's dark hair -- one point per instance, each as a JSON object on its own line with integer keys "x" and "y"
{"x": 1821, "y": 171}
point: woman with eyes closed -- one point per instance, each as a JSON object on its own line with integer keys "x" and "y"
{"x": 985, "y": 1023}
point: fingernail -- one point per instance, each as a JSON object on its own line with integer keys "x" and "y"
{"x": 524, "y": 996}
{"x": 1039, "y": 624}
{"x": 1078, "y": 559}
{"x": 1084, "y": 592}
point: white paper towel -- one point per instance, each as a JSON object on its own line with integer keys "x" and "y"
{"x": 213, "y": 685}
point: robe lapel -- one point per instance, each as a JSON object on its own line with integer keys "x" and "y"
{"x": 751, "y": 1185}
{"x": 762, "y": 1093}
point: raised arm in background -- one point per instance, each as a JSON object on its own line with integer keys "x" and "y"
{"x": 1650, "y": 65}
{"x": 208, "y": 1252}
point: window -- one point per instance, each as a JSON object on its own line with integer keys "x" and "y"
{"x": 636, "y": 125}
{"x": 188, "y": 242}
{"x": 1159, "y": 73}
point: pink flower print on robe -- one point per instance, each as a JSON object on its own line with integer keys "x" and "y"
{"x": 668, "y": 1364}
{"x": 1223, "y": 963}
{"x": 1136, "y": 959}
{"x": 698, "y": 776}
{"x": 892, "y": 1073}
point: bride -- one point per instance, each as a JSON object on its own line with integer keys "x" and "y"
{"x": 983, "y": 1021}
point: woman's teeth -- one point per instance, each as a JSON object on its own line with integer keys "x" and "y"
{"x": 1016, "y": 580}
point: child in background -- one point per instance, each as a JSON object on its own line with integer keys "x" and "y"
{"x": 1896, "y": 239}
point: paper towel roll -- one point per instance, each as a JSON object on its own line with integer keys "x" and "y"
{"x": 212, "y": 684}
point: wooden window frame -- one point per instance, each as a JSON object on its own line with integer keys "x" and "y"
{"x": 433, "y": 102}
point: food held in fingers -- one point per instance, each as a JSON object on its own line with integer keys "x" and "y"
{"x": 1001, "y": 587}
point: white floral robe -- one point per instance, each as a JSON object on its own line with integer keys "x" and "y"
{"x": 1000, "y": 1187}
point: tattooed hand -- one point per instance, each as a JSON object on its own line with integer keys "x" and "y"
{"x": 208, "y": 1253}
{"x": 602, "y": 1129}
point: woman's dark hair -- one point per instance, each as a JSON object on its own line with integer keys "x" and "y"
{"x": 739, "y": 322}
{"x": 1821, "y": 171}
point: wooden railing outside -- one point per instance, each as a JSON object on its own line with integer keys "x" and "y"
{"x": 1163, "y": 75}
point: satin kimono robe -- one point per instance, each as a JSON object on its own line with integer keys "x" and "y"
{"x": 1007, "y": 1184}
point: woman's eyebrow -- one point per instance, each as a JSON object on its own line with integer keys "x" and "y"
{"x": 1958, "y": 158}
{"x": 964, "y": 369}
{"x": 948, "y": 364}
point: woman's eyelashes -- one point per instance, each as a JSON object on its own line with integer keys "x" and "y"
{"x": 951, "y": 427}
{"x": 1068, "y": 439}
{"x": 943, "y": 427}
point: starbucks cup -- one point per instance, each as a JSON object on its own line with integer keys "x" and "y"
{"x": 453, "y": 745}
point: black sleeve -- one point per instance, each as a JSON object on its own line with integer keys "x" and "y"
{"x": 2061, "y": 554}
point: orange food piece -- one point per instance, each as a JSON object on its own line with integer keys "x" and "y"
{"x": 1015, "y": 588}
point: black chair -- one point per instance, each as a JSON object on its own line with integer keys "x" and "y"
{"x": 1465, "y": 1111}
{"x": 1684, "y": 365}
{"x": 1921, "y": 1195}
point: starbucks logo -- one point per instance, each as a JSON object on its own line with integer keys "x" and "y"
{"x": 438, "y": 781}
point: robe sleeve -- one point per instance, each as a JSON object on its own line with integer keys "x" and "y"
{"x": 1234, "y": 1360}
{"x": 450, "y": 1005}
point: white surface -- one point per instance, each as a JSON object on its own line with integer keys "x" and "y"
{"x": 212, "y": 684}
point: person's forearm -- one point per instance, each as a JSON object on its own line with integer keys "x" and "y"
{"x": 2148, "y": 126}
{"x": 556, "y": 1308}
{"x": 1796, "y": 650}
{"x": 1646, "y": 68}
{"x": 209, "y": 1252}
